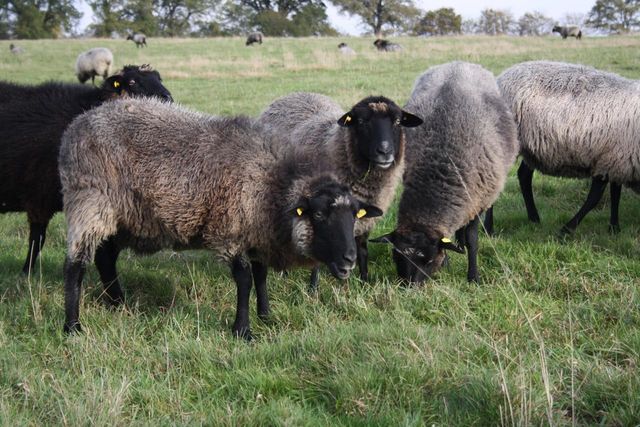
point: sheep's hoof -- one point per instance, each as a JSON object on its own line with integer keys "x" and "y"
{"x": 614, "y": 228}
{"x": 113, "y": 303}
{"x": 473, "y": 278}
{"x": 265, "y": 318}
{"x": 565, "y": 231}
{"x": 72, "y": 328}
{"x": 242, "y": 332}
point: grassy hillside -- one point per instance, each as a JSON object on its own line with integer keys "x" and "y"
{"x": 550, "y": 335}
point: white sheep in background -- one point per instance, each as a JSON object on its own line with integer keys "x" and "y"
{"x": 92, "y": 63}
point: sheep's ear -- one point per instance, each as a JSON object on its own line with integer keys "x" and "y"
{"x": 346, "y": 120}
{"x": 114, "y": 84}
{"x": 409, "y": 120}
{"x": 368, "y": 211}
{"x": 386, "y": 238}
{"x": 446, "y": 243}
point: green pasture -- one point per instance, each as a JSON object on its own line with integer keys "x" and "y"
{"x": 551, "y": 335}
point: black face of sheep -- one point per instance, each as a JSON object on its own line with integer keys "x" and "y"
{"x": 417, "y": 257}
{"x": 376, "y": 122}
{"x": 136, "y": 80}
{"x": 328, "y": 219}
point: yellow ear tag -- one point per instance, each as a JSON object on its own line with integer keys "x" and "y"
{"x": 445, "y": 240}
{"x": 361, "y": 213}
{"x": 347, "y": 119}
{"x": 116, "y": 83}
{"x": 299, "y": 211}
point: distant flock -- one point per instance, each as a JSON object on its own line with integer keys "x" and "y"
{"x": 304, "y": 183}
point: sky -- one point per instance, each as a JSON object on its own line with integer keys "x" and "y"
{"x": 555, "y": 9}
{"x": 467, "y": 8}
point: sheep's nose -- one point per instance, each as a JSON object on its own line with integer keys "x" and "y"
{"x": 384, "y": 148}
{"x": 350, "y": 256}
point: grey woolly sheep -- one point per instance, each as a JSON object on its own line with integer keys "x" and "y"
{"x": 255, "y": 37}
{"x": 138, "y": 38}
{"x": 569, "y": 30}
{"x": 345, "y": 49}
{"x": 577, "y": 122}
{"x": 150, "y": 175}
{"x": 92, "y": 63}
{"x": 16, "y": 50}
{"x": 365, "y": 146}
{"x": 457, "y": 165}
{"x": 386, "y": 45}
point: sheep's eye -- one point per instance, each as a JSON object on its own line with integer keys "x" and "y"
{"x": 360, "y": 121}
{"x": 397, "y": 122}
{"x": 318, "y": 216}
{"x": 132, "y": 82}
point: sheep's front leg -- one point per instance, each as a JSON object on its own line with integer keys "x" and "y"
{"x": 73, "y": 274}
{"x": 525, "y": 178}
{"x": 471, "y": 242}
{"x": 259, "y": 271}
{"x": 241, "y": 272}
{"x": 363, "y": 256}
{"x": 614, "y": 224}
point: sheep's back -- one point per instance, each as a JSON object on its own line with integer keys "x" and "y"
{"x": 575, "y": 121}
{"x": 458, "y": 160}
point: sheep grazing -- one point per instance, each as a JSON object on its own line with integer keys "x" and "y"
{"x": 569, "y": 30}
{"x": 138, "y": 38}
{"x": 92, "y": 63}
{"x": 255, "y": 37}
{"x": 365, "y": 146}
{"x": 457, "y": 165}
{"x": 345, "y": 49}
{"x": 169, "y": 177}
{"x": 16, "y": 50}
{"x": 32, "y": 120}
{"x": 386, "y": 46}
{"x": 576, "y": 122}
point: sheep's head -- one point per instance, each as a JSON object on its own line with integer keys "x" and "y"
{"x": 323, "y": 225}
{"x": 556, "y": 29}
{"x": 135, "y": 80}
{"x": 416, "y": 255}
{"x": 376, "y": 126}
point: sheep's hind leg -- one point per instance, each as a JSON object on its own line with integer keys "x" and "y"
{"x": 595, "y": 194}
{"x": 614, "y": 224}
{"x": 73, "y": 274}
{"x": 313, "y": 279}
{"x": 525, "y": 178}
{"x": 259, "y": 272}
{"x": 37, "y": 235}
{"x": 241, "y": 272}
{"x": 105, "y": 260}
{"x": 471, "y": 242}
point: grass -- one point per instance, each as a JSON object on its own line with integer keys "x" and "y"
{"x": 550, "y": 336}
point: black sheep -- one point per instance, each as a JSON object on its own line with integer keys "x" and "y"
{"x": 32, "y": 120}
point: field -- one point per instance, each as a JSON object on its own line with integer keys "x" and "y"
{"x": 551, "y": 335}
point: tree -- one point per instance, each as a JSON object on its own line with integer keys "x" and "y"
{"x": 495, "y": 22}
{"x": 534, "y": 24}
{"x": 34, "y": 19}
{"x": 108, "y": 17}
{"x": 140, "y": 17}
{"x": 469, "y": 26}
{"x": 615, "y": 16}
{"x": 439, "y": 22}
{"x": 574, "y": 19}
{"x": 178, "y": 17}
{"x": 381, "y": 15}
{"x": 312, "y": 20}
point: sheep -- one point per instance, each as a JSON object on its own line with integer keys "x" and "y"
{"x": 345, "y": 49}
{"x": 254, "y": 37}
{"x": 457, "y": 165}
{"x": 170, "y": 177}
{"x": 16, "y": 50}
{"x": 365, "y": 145}
{"x": 92, "y": 63}
{"x": 569, "y": 30}
{"x": 386, "y": 46}
{"x": 138, "y": 38}
{"x": 31, "y": 124}
{"x": 576, "y": 122}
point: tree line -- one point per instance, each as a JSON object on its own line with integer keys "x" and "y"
{"x": 32, "y": 19}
